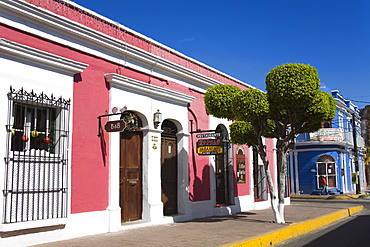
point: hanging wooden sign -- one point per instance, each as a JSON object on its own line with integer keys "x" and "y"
{"x": 210, "y": 146}
{"x": 115, "y": 126}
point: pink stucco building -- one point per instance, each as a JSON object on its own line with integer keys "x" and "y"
{"x": 65, "y": 72}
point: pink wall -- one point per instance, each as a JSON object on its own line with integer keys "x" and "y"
{"x": 199, "y": 167}
{"x": 90, "y": 164}
{"x": 89, "y": 181}
{"x": 89, "y": 172}
{"x": 242, "y": 189}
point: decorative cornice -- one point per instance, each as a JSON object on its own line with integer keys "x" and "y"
{"x": 343, "y": 107}
{"x": 117, "y": 47}
{"x": 29, "y": 54}
{"x": 148, "y": 89}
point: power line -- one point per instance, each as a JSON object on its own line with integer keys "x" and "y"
{"x": 363, "y": 96}
{"x": 360, "y": 101}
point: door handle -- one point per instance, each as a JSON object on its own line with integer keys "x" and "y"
{"x": 133, "y": 182}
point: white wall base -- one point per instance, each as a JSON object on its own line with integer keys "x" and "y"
{"x": 90, "y": 223}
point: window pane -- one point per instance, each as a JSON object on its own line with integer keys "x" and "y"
{"x": 321, "y": 169}
{"x": 331, "y": 168}
{"x": 18, "y": 116}
{"x": 17, "y": 143}
{"x": 41, "y": 120}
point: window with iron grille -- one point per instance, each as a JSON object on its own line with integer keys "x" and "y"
{"x": 37, "y": 159}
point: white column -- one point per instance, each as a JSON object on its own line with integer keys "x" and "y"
{"x": 114, "y": 210}
{"x": 152, "y": 202}
{"x": 183, "y": 173}
{"x": 343, "y": 168}
{"x": 292, "y": 176}
{"x": 296, "y": 180}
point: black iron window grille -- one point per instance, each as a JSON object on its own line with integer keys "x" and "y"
{"x": 36, "y": 163}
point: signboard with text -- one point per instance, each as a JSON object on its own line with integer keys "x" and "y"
{"x": 210, "y": 146}
{"x": 240, "y": 167}
{"x": 327, "y": 134}
{"x": 115, "y": 126}
{"x": 208, "y": 135}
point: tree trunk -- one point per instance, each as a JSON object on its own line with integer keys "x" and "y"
{"x": 282, "y": 171}
{"x": 282, "y": 149}
{"x": 273, "y": 195}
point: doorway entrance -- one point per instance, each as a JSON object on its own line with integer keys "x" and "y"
{"x": 169, "y": 167}
{"x": 259, "y": 179}
{"x": 326, "y": 168}
{"x": 221, "y": 181}
{"x": 224, "y": 171}
{"x": 131, "y": 143}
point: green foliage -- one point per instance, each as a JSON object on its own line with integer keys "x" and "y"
{"x": 218, "y": 100}
{"x": 321, "y": 109}
{"x": 250, "y": 105}
{"x": 291, "y": 86}
{"x": 293, "y": 104}
{"x": 323, "y": 106}
{"x": 242, "y": 132}
{"x": 268, "y": 128}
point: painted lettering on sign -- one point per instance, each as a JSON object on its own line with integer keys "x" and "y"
{"x": 209, "y": 142}
{"x": 115, "y": 126}
{"x": 209, "y": 147}
{"x": 208, "y": 135}
{"x": 205, "y": 150}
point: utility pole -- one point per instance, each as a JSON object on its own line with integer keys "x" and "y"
{"x": 354, "y": 133}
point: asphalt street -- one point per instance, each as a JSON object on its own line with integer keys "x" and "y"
{"x": 348, "y": 232}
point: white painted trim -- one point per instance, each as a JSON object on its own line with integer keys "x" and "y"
{"x": 148, "y": 89}
{"x": 145, "y": 38}
{"x": 60, "y": 24}
{"x": 321, "y": 149}
{"x": 32, "y": 224}
{"x": 296, "y": 180}
{"x": 29, "y": 54}
{"x": 141, "y": 36}
{"x": 292, "y": 177}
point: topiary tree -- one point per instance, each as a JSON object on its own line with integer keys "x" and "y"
{"x": 292, "y": 105}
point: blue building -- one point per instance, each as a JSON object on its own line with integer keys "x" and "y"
{"x": 330, "y": 153}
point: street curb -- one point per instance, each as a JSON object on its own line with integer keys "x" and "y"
{"x": 343, "y": 197}
{"x": 295, "y": 229}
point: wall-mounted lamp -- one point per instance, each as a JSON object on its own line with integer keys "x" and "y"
{"x": 157, "y": 118}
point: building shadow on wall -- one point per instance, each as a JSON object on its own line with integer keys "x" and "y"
{"x": 103, "y": 143}
{"x": 200, "y": 184}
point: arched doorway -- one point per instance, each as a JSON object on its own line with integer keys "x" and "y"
{"x": 131, "y": 143}
{"x": 169, "y": 167}
{"x": 223, "y": 171}
{"x": 259, "y": 178}
{"x": 326, "y": 168}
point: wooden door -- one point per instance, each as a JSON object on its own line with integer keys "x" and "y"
{"x": 221, "y": 181}
{"x": 131, "y": 175}
{"x": 169, "y": 175}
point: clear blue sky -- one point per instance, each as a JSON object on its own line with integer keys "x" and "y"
{"x": 247, "y": 38}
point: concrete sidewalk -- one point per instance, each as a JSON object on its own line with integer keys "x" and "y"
{"x": 251, "y": 228}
